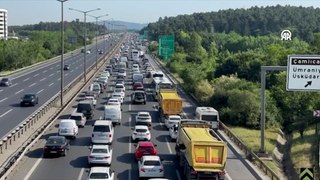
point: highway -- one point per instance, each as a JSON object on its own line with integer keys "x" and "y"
{"x": 43, "y": 80}
{"x": 74, "y": 166}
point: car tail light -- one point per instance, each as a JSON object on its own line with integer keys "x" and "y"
{"x": 135, "y": 133}
{"x": 91, "y": 156}
{"x": 45, "y": 147}
{"x": 222, "y": 173}
{"x": 147, "y": 133}
{"x": 110, "y": 135}
{"x": 194, "y": 172}
{"x": 142, "y": 169}
{"x": 107, "y": 157}
{"x": 92, "y": 135}
{"x": 161, "y": 169}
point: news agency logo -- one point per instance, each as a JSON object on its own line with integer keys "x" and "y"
{"x": 285, "y": 35}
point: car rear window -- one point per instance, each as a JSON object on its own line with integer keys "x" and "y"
{"x": 76, "y": 117}
{"x": 66, "y": 124}
{"x": 141, "y": 130}
{"x": 55, "y": 141}
{"x": 99, "y": 176}
{"x": 100, "y": 151}
{"x": 151, "y": 163}
{"x": 100, "y": 128}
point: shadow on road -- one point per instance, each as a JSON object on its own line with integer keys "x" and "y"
{"x": 80, "y": 162}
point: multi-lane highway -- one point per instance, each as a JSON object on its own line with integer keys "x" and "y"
{"x": 74, "y": 166}
{"x": 43, "y": 80}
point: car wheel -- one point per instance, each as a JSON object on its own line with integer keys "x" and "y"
{"x": 65, "y": 152}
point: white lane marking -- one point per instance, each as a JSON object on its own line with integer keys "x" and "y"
{"x": 129, "y": 175}
{"x": 129, "y": 107}
{"x": 168, "y": 144}
{"x": 1, "y": 90}
{"x": 43, "y": 79}
{"x": 51, "y": 75}
{"x": 178, "y": 174}
{"x": 44, "y": 71}
{"x": 14, "y": 84}
{"x": 67, "y": 74}
{"x": 36, "y": 75}
{"x": 80, "y": 174}
{"x": 130, "y": 136}
{"x": 32, "y": 169}
{"x": 59, "y": 79}
{"x": 5, "y": 113}
{"x": 51, "y": 84}
{"x": 32, "y": 84}
{"x": 26, "y": 79}
{"x": 19, "y": 91}
{"x": 3, "y": 99}
{"x": 71, "y": 71}
{"x": 40, "y": 91}
{"x": 227, "y": 176}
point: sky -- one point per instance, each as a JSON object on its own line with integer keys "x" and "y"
{"x": 21, "y": 12}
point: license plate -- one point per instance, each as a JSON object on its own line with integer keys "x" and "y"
{"x": 53, "y": 151}
{"x": 99, "y": 158}
{"x": 152, "y": 170}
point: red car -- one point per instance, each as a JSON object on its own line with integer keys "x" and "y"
{"x": 145, "y": 148}
{"x": 137, "y": 85}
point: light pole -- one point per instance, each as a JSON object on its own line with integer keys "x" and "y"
{"x": 62, "y": 52}
{"x": 97, "y": 17}
{"x": 105, "y": 33}
{"x": 85, "y": 40}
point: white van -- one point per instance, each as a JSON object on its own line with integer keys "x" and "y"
{"x": 96, "y": 88}
{"x": 112, "y": 113}
{"x": 68, "y": 127}
{"x": 102, "y": 132}
{"x": 122, "y": 65}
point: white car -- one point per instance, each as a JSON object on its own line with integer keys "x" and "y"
{"x": 117, "y": 95}
{"x": 120, "y": 86}
{"x": 92, "y": 97}
{"x": 119, "y": 91}
{"x": 135, "y": 67}
{"x": 150, "y": 166}
{"x": 68, "y": 127}
{"x": 122, "y": 72}
{"x": 103, "y": 79}
{"x": 173, "y": 132}
{"x": 141, "y": 132}
{"x": 113, "y": 101}
{"x": 100, "y": 154}
{"x": 101, "y": 173}
{"x": 143, "y": 118}
{"x": 172, "y": 120}
{"x": 105, "y": 73}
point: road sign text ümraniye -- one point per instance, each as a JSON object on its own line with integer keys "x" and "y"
{"x": 303, "y": 73}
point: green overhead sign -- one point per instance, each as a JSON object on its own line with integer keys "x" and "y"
{"x": 166, "y": 46}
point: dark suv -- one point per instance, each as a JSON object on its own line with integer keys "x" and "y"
{"x": 29, "y": 99}
{"x": 5, "y": 82}
{"x": 139, "y": 96}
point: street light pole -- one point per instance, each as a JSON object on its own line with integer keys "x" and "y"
{"x": 97, "y": 17}
{"x": 62, "y": 52}
{"x": 85, "y": 41}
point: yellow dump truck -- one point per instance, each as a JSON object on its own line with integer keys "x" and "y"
{"x": 200, "y": 151}
{"x": 170, "y": 103}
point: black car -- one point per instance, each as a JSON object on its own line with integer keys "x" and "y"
{"x": 29, "y": 99}
{"x": 5, "y": 82}
{"x": 138, "y": 96}
{"x": 66, "y": 67}
{"x": 56, "y": 145}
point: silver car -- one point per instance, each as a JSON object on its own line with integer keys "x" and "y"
{"x": 100, "y": 154}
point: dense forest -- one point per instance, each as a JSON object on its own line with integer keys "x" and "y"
{"x": 42, "y": 41}
{"x": 218, "y": 56}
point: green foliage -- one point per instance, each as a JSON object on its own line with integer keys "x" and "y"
{"x": 204, "y": 91}
{"x": 41, "y": 41}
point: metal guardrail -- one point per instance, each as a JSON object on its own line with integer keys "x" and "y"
{"x": 248, "y": 152}
{"x": 28, "y": 123}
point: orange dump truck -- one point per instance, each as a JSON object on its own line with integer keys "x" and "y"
{"x": 200, "y": 151}
{"x": 170, "y": 103}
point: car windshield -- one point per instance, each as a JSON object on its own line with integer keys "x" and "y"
{"x": 99, "y": 176}
{"x": 28, "y": 96}
{"x": 55, "y": 141}
{"x": 151, "y": 163}
{"x": 4, "y": 79}
{"x": 96, "y": 150}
